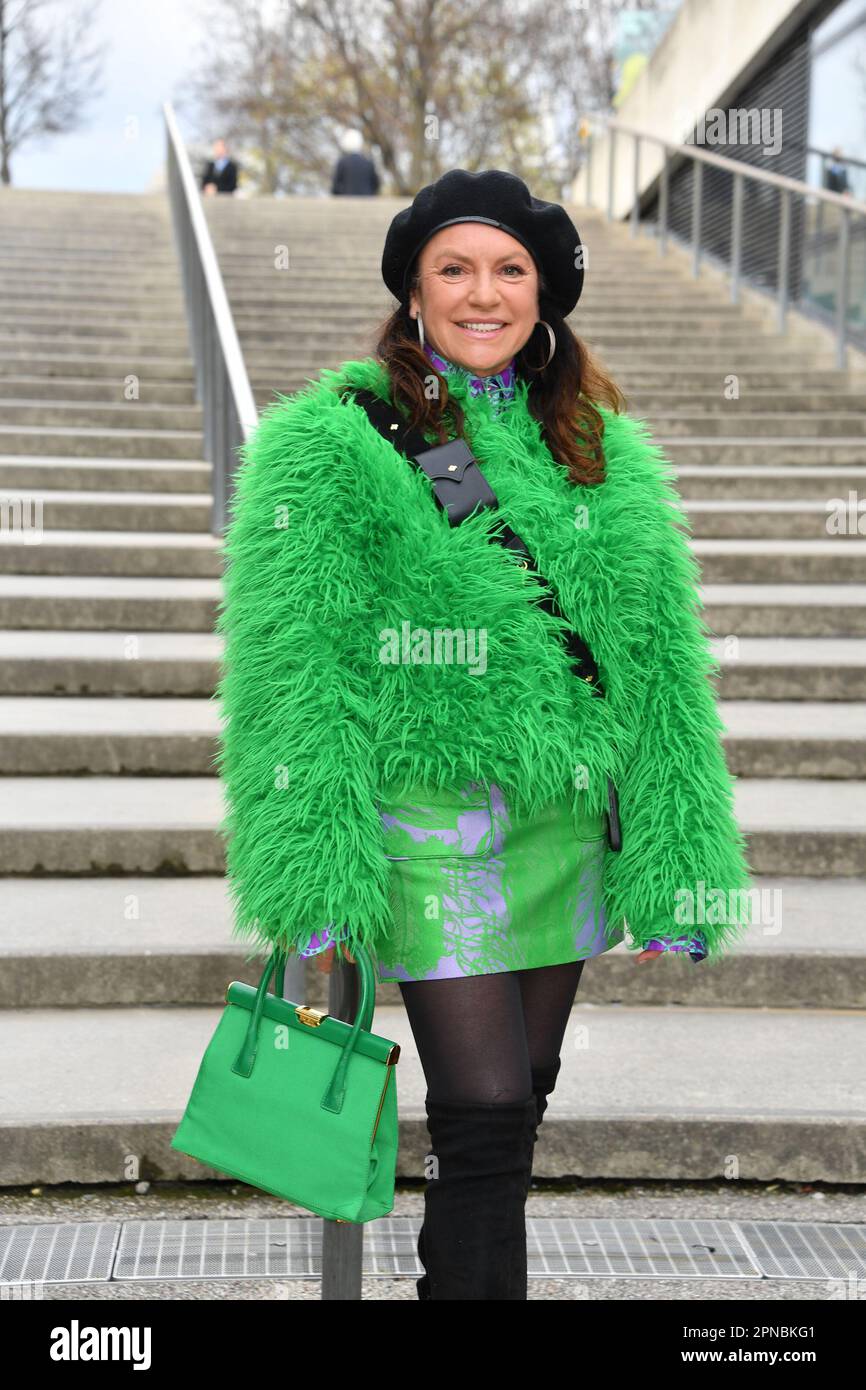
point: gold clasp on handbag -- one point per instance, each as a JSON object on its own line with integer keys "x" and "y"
{"x": 307, "y": 1014}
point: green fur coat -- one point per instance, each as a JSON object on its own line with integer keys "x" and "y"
{"x": 369, "y": 645}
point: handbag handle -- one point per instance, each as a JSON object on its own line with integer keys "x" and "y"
{"x": 367, "y": 1000}
{"x": 336, "y": 1089}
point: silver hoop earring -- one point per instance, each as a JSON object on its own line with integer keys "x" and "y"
{"x": 420, "y": 328}
{"x": 552, "y": 337}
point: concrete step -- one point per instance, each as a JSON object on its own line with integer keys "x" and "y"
{"x": 114, "y": 244}
{"x": 154, "y": 664}
{"x": 790, "y": 668}
{"x": 180, "y": 554}
{"x": 758, "y": 424}
{"x": 752, "y": 452}
{"x": 136, "y": 296}
{"x": 783, "y": 398}
{"x": 704, "y": 481}
{"x": 106, "y": 941}
{"x": 105, "y": 474}
{"x": 73, "y": 389}
{"x": 97, "y": 365}
{"x": 840, "y": 517}
{"x": 44, "y": 736}
{"x": 608, "y": 334}
{"x": 812, "y": 826}
{"x": 638, "y": 378}
{"x": 768, "y": 561}
{"x": 785, "y": 610}
{"x": 86, "y": 1087}
{"x": 96, "y": 603}
{"x": 770, "y": 738}
{"x": 753, "y": 361}
{"x": 170, "y": 825}
{"x": 111, "y": 443}
{"x": 81, "y": 338}
{"x": 28, "y": 283}
{"x": 57, "y": 510}
{"x": 88, "y": 319}
{"x": 102, "y": 414}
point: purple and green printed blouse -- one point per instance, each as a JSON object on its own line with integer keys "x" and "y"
{"x": 499, "y": 388}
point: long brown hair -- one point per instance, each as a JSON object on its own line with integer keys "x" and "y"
{"x": 562, "y": 397}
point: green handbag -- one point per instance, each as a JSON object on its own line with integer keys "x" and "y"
{"x": 296, "y": 1102}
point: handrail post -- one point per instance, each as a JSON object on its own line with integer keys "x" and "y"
{"x": 697, "y": 210}
{"x": 736, "y": 238}
{"x": 842, "y": 289}
{"x": 784, "y": 254}
{"x": 635, "y": 217}
{"x": 663, "y": 203}
{"x": 342, "y": 1241}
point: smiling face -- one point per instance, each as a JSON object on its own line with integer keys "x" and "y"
{"x": 473, "y": 274}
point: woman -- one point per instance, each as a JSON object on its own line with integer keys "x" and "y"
{"x": 453, "y": 814}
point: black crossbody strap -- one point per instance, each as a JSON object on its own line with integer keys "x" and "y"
{"x": 460, "y": 488}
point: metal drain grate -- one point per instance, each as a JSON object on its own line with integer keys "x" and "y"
{"x": 82, "y": 1253}
{"x": 795, "y": 1250}
{"x": 236, "y": 1249}
{"x": 287, "y": 1247}
{"x": 639, "y": 1249}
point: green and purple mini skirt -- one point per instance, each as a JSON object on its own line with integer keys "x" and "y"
{"x": 475, "y": 890}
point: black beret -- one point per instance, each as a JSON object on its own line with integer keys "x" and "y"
{"x": 503, "y": 200}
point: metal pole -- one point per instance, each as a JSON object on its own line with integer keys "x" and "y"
{"x": 736, "y": 238}
{"x": 784, "y": 253}
{"x": 635, "y": 206}
{"x": 342, "y": 1241}
{"x": 663, "y": 205}
{"x": 842, "y": 290}
{"x": 697, "y": 209}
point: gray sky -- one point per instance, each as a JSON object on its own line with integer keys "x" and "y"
{"x": 121, "y": 145}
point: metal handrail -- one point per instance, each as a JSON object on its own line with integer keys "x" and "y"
{"x": 222, "y": 385}
{"x": 848, "y": 207}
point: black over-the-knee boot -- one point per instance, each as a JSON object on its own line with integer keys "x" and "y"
{"x": 473, "y": 1239}
{"x": 543, "y": 1083}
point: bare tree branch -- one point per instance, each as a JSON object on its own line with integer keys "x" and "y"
{"x": 431, "y": 84}
{"x": 48, "y": 73}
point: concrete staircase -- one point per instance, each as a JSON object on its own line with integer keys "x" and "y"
{"x": 116, "y": 940}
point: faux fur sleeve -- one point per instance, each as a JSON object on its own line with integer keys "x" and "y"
{"x": 683, "y": 863}
{"x": 303, "y": 835}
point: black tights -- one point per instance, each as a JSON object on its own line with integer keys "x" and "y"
{"x": 480, "y": 1036}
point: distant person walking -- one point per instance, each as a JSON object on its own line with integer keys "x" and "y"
{"x": 354, "y": 173}
{"x": 220, "y": 173}
{"x": 836, "y": 174}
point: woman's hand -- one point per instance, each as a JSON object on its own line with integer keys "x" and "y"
{"x": 650, "y": 955}
{"x": 325, "y": 959}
